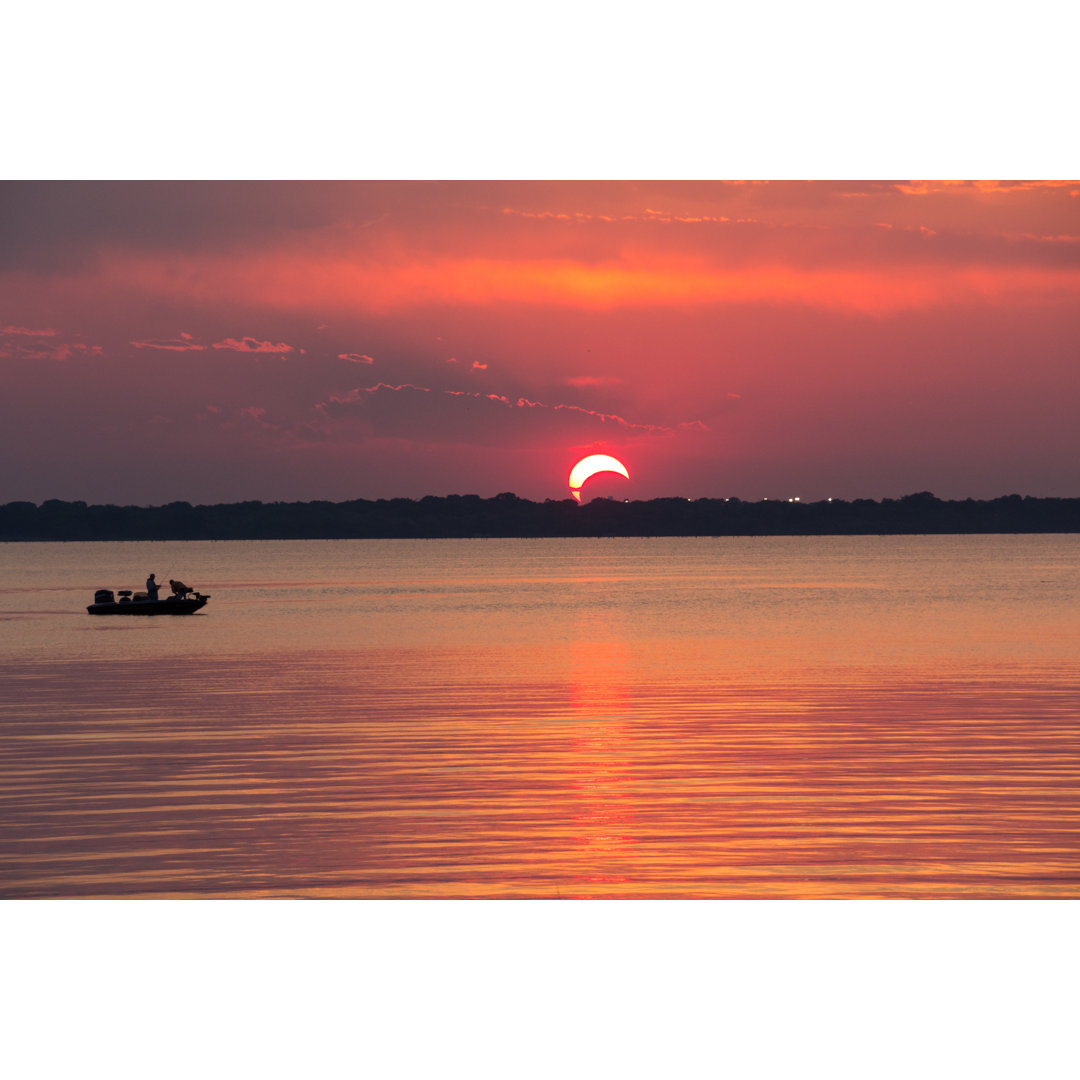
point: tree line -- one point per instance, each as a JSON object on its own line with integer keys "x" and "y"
{"x": 506, "y": 515}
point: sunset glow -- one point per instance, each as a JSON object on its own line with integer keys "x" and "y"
{"x": 223, "y": 341}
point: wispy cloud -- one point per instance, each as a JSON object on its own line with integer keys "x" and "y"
{"x": 356, "y": 358}
{"x": 645, "y": 215}
{"x": 989, "y": 187}
{"x": 184, "y": 343}
{"x": 250, "y": 344}
{"x": 451, "y": 414}
{"x": 26, "y": 331}
{"x": 929, "y": 272}
{"x": 62, "y": 350}
{"x": 583, "y": 381}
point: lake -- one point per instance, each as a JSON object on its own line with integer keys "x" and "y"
{"x": 774, "y": 717}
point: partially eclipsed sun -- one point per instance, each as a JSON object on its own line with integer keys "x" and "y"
{"x": 594, "y": 463}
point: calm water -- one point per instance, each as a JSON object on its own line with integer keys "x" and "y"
{"x": 753, "y": 717}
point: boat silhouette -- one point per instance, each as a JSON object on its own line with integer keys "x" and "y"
{"x": 105, "y": 603}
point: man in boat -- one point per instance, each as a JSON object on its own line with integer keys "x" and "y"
{"x": 179, "y": 589}
{"x": 152, "y": 588}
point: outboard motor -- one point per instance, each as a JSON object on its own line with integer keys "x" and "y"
{"x": 104, "y": 596}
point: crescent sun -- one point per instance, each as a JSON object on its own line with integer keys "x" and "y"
{"x": 590, "y": 465}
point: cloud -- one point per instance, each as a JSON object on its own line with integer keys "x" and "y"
{"x": 990, "y": 187}
{"x": 477, "y": 366}
{"x": 870, "y": 271}
{"x": 257, "y": 414}
{"x": 65, "y": 224}
{"x": 250, "y": 344}
{"x": 470, "y": 417}
{"x": 647, "y": 215}
{"x": 58, "y": 225}
{"x": 73, "y": 350}
{"x": 582, "y": 381}
{"x": 905, "y": 228}
{"x": 356, "y": 358}
{"x": 26, "y": 331}
{"x": 76, "y": 350}
{"x": 181, "y": 344}
{"x": 185, "y": 343}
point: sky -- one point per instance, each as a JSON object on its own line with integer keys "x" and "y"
{"x": 216, "y": 341}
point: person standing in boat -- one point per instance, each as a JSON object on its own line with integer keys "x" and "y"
{"x": 152, "y": 588}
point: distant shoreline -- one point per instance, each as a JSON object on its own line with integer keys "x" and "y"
{"x": 507, "y": 516}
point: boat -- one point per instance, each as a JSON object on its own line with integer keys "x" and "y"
{"x": 105, "y": 603}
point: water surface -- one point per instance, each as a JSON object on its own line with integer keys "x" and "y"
{"x": 714, "y": 717}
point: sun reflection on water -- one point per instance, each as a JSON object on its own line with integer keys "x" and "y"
{"x": 600, "y": 747}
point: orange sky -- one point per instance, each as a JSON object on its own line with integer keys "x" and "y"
{"x": 217, "y": 341}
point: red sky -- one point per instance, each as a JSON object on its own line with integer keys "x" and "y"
{"x": 220, "y": 341}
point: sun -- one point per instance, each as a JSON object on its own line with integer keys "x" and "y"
{"x": 590, "y": 465}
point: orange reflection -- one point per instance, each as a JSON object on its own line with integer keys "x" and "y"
{"x": 601, "y": 768}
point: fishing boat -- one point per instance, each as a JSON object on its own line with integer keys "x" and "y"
{"x": 105, "y": 603}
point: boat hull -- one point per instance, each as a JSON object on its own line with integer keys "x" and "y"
{"x": 168, "y": 606}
